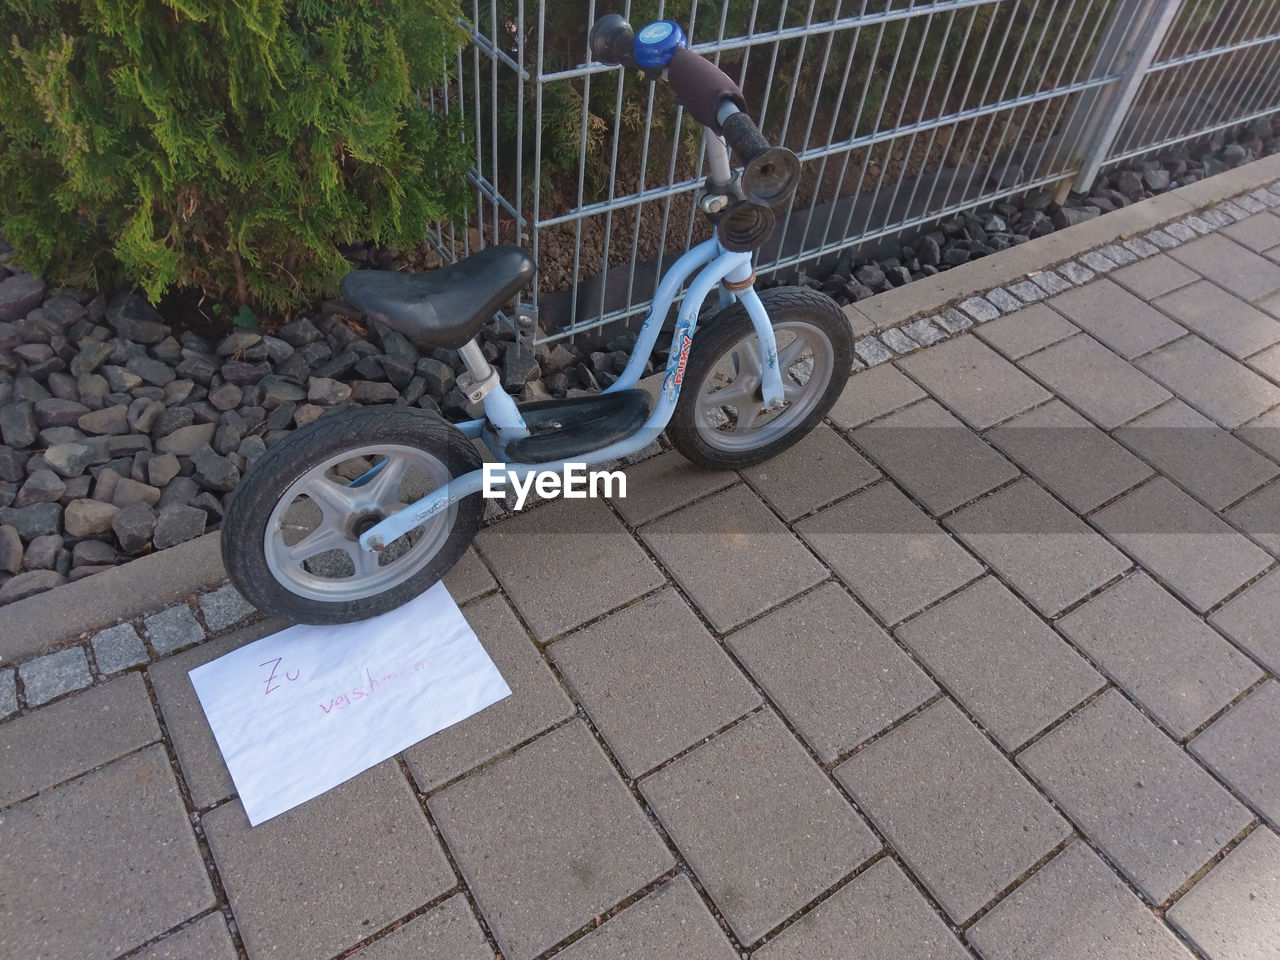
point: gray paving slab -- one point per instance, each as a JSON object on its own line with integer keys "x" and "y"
{"x": 118, "y": 648}
{"x": 1095, "y": 381}
{"x": 1069, "y": 456}
{"x": 469, "y": 578}
{"x": 670, "y": 922}
{"x": 1030, "y": 329}
{"x": 100, "y": 865}
{"x": 1160, "y": 652}
{"x": 203, "y": 769}
{"x": 1222, "y": 319}
{"x": 1212, "y": 382}
{"x": 1002, "y": 662}
{"x": 909, "y": 445}
{"x": 732, "y": 556}
{"x": 664, "y": 483}
{"x": 834, "y": 674}
{"x": 584, "y": 843}
{"x": 1259, "y": 232}
{"x": 1250, "y": 620}
{"x": 760, "y": 824}
{"x": 1197, "y": 454}
{"x": 1263, "y": 433}
{"x": 351, "y": 860}
{"x": 890, "y": 553}
{"x": 973, "y": 381}
{"x": 1240, "y": 748}
{"x": 880, "y": 911}
{"x": 1154, "y": 277}
{"x": 537, "y": 702}
{"x": 1152, "y": 809}
{"x": 1041, "y": 548}
{"x": 934, "y": 786}
{"x": 653, "y": 680}
{"x": 1073, "y": 908}
{"x": 873, "y": 393}
{"x": 67, "y": 738}
{"x": 1193, "y": 552}
{"x": 1267, "y": 362}
{"x": 576, "y": 546}
{"x": 1231, "y": 265}
{"x": 1258, "y": 515}
{"x": 1234, "y": 912}
{"x": 224, "y": 608}
{"x": 54, "y": 674}
{"x": 446, "y": 932}
{"x": 206, "y": 939}
{"x": 1113, "y": 315}
{"x": 172, "y": 629}
{"x": 820, "y": 468}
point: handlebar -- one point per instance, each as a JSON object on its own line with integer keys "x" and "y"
{"x": 770, "y": 174}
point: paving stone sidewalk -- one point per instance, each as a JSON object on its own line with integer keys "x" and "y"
{"x": 987, "y": 666}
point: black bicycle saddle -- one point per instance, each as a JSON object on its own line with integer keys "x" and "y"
{"x": 444, "y": 307}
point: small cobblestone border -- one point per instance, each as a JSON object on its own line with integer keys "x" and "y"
{"x": 98, "y": 656}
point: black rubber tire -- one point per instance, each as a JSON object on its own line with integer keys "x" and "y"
{"x": 715, "y": 336}
{"x": 255, "y": 498}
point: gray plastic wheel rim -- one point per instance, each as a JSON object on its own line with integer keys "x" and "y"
{"x": 735, "y": 381}
{"x": 340, "y": 505}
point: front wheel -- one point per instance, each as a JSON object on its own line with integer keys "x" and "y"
{"x": 290, "y": 539}
{"x": 721, "y": 420}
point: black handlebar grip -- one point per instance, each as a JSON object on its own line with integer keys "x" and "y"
{"x": 743, "y": 136}
{"x": 702, "y": 86}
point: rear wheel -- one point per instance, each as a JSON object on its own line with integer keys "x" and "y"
{"x": 721, "y": 420}
{"x": 290, "y": 540}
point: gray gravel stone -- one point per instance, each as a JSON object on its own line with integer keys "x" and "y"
{"x": 29, "y": 584}
{"x": 134, "y": 526}
{"x": 186, "y": 440}
{"x": 118, "y": 648}
{"x": 33, "y": 521}
{"x": 8, "y": 693}
{"x": 213, "y": 471}
{"x": 226, "y": 396}
{"x": 113, "y": 420}
{"x": 178, "y": 523}
{"x": 88, "y": 518}
{"x": 90, "y": 358}
{"x": 224, "y": 608}
{"x": 42, "y": 552}
{"x": 53, "y": 412}
{"x": 129, "y": 491}
{"x": 10, "y": 550}
{"x": 19, "y": 294}
{"x": 93, "y": 553}
{"x": 43, "y": 486}
{"x": 151, "y": 371}
{"x": 18, "y": 424}
{"x": 69, "y": 459}
{"x": 172, "y": 629}
{"x": 54, "y": 674}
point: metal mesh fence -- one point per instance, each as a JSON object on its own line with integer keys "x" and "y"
{"x": 902, "y": 112}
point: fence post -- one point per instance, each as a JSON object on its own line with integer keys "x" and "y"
{"x": 1130, "y": 42}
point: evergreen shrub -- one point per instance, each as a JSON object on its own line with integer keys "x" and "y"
{"x": 227, "y": 145}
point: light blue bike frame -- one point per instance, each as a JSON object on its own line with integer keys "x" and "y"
{"x": 713, "y": 264}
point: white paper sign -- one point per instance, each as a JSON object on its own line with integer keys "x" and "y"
{"x": 298, "y": 712}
